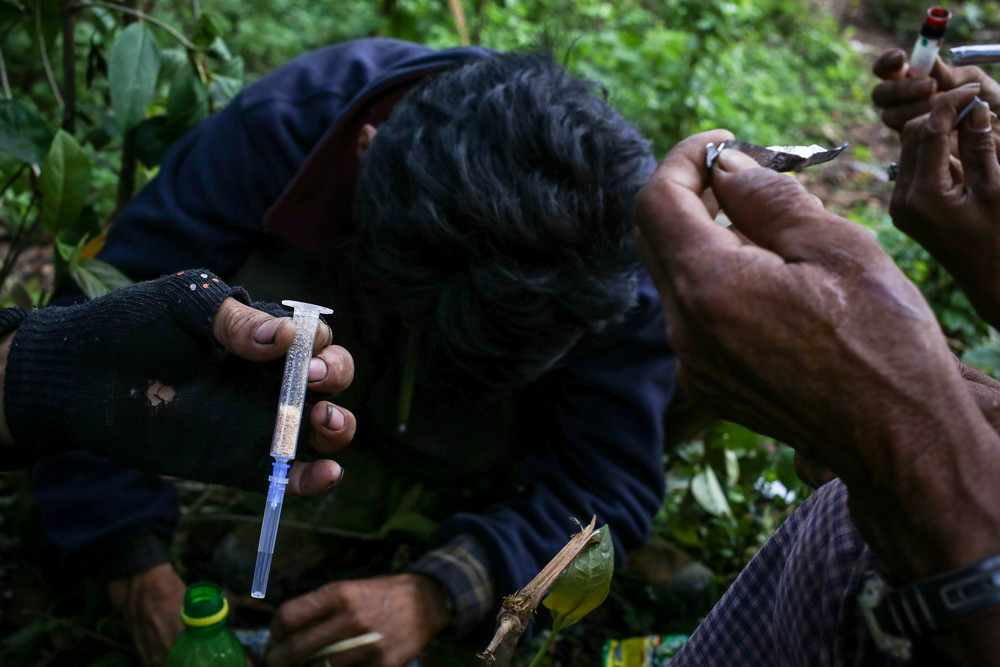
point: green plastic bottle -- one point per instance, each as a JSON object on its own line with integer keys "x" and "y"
{"x": 207, "y": 639}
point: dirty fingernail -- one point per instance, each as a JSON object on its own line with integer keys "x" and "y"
{"x": 317, "y": 369}
{"x": 733, "y": 160}
{"x": 339, "y": 479}
{"x": 981, "y": 118}
{"x": 335, "y": 419}
{"x": 925, "y": 86}
{"x": 266, "y": 333}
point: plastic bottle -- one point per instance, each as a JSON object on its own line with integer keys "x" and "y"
{"x": 207, "y": 638}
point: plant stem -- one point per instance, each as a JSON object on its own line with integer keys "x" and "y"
{"x": 549, "y": 641}
{"x": 68, "y": 66}
{"x": 10, "y": 181}
{"x": 45, "y": 58}
{"x": 126, "y": 176}
{"x": 3, "y": 77}
{"x": 140, "y": 15}
{"x": 19, "y": 241}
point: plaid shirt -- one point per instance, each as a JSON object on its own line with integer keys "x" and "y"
{"x": 794, "y": 604}
{"x": 460, "y": 566}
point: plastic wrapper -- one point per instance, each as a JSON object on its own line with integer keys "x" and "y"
{"x": 648, "y": 651}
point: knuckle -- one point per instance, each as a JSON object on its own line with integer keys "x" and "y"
{"x": 285, "y": 617}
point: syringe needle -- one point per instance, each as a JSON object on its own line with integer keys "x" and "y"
{"x": 286, "y": 432}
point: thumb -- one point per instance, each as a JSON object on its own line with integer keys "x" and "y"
{"x": 761, "y": 203}
{"x": 250, "y": 333}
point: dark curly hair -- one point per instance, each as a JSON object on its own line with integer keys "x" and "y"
{"x": 494, "y": 210}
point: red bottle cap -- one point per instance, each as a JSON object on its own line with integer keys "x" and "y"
{"x": 937, "y": 17}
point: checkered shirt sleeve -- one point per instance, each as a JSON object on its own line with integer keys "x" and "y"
{"x": 794, "y": 604}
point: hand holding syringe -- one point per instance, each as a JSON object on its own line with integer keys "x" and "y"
{"x": 286, "y": 432}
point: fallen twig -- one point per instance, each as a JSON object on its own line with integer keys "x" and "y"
{"x": 517, "y": 609}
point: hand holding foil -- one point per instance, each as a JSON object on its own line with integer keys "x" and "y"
{"x": 779, "y": 158}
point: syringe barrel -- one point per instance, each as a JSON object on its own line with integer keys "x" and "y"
{"x": 293, "y": 385}
{"x": 269, "y": 527}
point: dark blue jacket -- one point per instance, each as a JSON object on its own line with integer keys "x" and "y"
{"x": 260, "y": 169}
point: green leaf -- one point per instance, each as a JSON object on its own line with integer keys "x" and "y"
{"x": 187, "y": 103}
{"x": 684, "y": 530}
{"x": 785, "y": 467}
{"x": 708, "y": 493}
{"x": 410, "y": 499}
{"x": 410, "y": 523}
{"x": 226, "y": 81}
{"x": 171, "y": 62}
{"x": 105, "y": 130}
{"x": 150, "y": 147}
{"x": 10, "y": 13}
{"x": 584, "y": 584}
{"x": 132, "y": 71}
{"x": 984, "y": 356}
{"x": 732, "y": 468}
{"x": 69, "y": 253}
{"x": 208, "y": 27}
{"x": 218, "y": 50}
{"x": 27, "y": 638}
{"x": 24, "y": 133}
{"x": 64, "y": 183}
{"x": 97, "y": 278}
{"x": 47, "y": 19}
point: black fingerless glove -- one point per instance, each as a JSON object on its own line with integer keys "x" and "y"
{"x": 137, "y": 377}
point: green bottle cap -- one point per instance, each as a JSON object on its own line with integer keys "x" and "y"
{"x": 204, "y": 604}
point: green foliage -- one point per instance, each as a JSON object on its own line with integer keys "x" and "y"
{"x": 580, "y": 588}
{"x": 762, "y": 69}
{"x": 772, "y": 71}
{"x": 64, "y": 183}
{"x": 406, "y": 518}
{"x": 132, "y": 70}
{"x": 727, "y": 491}
{"x": 127, "y": 99}
{"x": 583, "y": 585}
{"x": 24, "y": 133}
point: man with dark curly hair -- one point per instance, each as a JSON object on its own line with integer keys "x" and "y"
{"x": 468, "y": 215}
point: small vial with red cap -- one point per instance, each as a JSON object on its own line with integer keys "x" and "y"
{"x": 928, "y": 43}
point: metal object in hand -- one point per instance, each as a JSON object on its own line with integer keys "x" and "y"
{"x": 980, "y": 54}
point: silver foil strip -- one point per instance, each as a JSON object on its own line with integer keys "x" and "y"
{"x": 779, "y": 158}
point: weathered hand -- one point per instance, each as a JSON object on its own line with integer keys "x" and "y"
{"x": 406, "y": 609}
{"x": 150, "y": 602}
{"x": 951, "y": 206}
{"x": 256, "y": 336}
{"x": 902, "y": 98}
{"x": 804, "y": 329}
{"x": 985, "y": 391}
{"x": 152, "y": 387}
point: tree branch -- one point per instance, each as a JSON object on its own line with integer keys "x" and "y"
{"x": 140, "y": 15}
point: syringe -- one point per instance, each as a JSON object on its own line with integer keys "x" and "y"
{"x": 286, "y": 432}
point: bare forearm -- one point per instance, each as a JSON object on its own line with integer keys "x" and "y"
{"x": 934, "y": 514}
